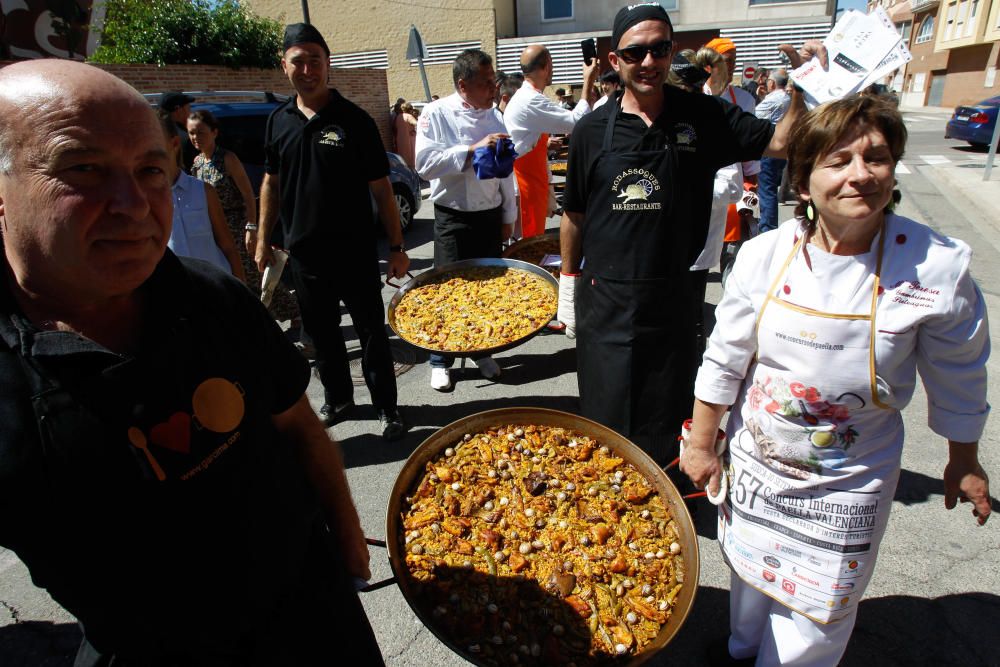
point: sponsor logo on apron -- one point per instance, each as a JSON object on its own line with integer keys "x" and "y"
{"x": 634, "y": 188}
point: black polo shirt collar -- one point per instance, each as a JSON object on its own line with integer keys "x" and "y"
{"x": 169, "y": 288}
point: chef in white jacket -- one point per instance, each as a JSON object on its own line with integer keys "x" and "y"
{"x": 819, "y": 336}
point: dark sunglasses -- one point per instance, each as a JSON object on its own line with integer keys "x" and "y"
{"x": 637, "y": 53}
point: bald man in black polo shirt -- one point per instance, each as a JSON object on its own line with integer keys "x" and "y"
{"x": 324, "y": 156}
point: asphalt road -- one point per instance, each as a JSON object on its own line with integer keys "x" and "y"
{"x": 935, "y": 595}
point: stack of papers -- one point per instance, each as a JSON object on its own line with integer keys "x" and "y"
{"x": 862, "y": 49}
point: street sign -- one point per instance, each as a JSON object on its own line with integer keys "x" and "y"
{"x": 749, "y": 71}
{"x": 415, "y": 49}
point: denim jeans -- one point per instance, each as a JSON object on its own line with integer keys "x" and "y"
{"x": 768, "y": 184}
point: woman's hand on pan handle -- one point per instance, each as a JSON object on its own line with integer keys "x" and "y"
{"x": 965, "y": 480}
{"x": 700, "y": 462}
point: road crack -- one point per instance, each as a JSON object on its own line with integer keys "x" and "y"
{"x": 14, "y": 613}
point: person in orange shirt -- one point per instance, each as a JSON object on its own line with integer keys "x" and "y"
{"x": 530, "y": 117}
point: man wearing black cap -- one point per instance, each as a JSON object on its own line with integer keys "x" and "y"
{"x": 178, "y": 105}
{"x": 324, "y": 161}
{"x": 637, "y": 201}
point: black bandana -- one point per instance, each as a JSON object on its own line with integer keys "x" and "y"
{"x": 629, "y": 15}
{"x": 304, "y": 33}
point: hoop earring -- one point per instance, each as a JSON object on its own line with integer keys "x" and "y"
{"x": 811, "y": 211}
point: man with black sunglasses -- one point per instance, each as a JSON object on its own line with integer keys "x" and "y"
{"x": 637, "y": 201}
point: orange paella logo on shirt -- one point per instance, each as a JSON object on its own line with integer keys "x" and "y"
{"x": 217, "y": 406}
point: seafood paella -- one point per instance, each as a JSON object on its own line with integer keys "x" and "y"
{"x": 475, "y": 308}
{"x": 537, "y": 545}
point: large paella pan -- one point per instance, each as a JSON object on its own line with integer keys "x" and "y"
{"x": 504, "y": 303}
{"x": 509, "y": 606}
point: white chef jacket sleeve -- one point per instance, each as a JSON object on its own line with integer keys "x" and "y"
{"x": 733, "y": 342}
{"x": 436, "y": 152}
{"x": 952, "y": 350}
{"x": 541, "y": 114}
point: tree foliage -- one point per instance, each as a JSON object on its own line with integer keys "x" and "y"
{"x": 178, "y": 32}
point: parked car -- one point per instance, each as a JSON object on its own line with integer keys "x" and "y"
{"x": 241, "y": 130}
{"x": 974, "y": 124}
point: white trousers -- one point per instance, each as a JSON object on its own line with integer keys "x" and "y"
{"x": 777, "y": 635}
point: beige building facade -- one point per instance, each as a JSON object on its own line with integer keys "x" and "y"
{"x": 375, "y": 34}
{"x": 955, "y": 46}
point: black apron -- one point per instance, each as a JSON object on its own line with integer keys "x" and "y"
{"x": 636, "y": 323}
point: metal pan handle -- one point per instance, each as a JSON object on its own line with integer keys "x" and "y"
{"x": 378, "y": 584}
{"x": 388, "y": 281}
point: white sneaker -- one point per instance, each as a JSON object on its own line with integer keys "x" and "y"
{"x": 441, "y": 379}
{"x": 488, "y": 368}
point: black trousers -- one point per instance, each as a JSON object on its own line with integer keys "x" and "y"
{"x": 319, "y": 299}
{"x": 462, "y": 235}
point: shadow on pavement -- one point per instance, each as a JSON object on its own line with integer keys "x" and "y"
{"x": 39, "y": 644}
{"x": 915, "y": 487}
{"x": 898, "y": 630}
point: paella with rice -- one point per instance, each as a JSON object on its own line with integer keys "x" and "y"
{"x": 537, "y": 545}
{"x": 475, "y": 308}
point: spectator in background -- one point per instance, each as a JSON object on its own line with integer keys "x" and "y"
{"x": 395, "y": 109}
{"x": 325, "y": 162}
{"x": 507, "y": 85}
{"x": 561, "y": 98}
{"x": 530, "y": 118}
{"x": 472, "y": 216}
{"x": 199, "y": 224}
{"x": 611, "y": 83}
{"x": 772, "y": 108}
{"x": 405, "y": 131}
{"x": 757, "y": 84}
{"x": 223, "y": 170}
{"x": 738, "y": 219}
{"x": 178, "y": 105}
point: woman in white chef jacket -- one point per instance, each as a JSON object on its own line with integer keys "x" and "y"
{"x": 818, "y": 339}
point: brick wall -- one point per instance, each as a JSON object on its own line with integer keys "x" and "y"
{"x": 365, "y": 87}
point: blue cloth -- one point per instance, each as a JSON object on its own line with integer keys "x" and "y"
{"x": 768, "y": 183}
{"x": 497, "y": 162}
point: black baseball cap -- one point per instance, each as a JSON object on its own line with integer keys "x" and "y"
{"x": 303, "y": 33}
{"x": 173, "y": 100}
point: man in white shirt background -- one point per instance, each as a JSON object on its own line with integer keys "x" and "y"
{"x": 611, "y": 83}
{"x": 735, "y": 223}
{"x": 772, "y": 108}
{"x": 472, "y": 217}
{"x": 530, "y": 117}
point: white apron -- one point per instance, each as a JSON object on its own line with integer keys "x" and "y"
{"x": 814, "y": 465}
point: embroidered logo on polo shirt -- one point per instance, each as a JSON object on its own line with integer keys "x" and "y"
{"x": 687, "y": 138}
{"x": 332, "y": 135}
{"x": 634, "y": 188}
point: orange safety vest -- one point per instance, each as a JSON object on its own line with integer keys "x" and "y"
{"x": 532, "y": 172}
